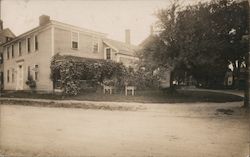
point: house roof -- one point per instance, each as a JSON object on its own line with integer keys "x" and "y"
{"x": 146, "y": 41}
{"x": 123, "y": 48}
{"x": 27, "y": 33}
{"x": 7, "y": 33}
{"x": 60, "y": 57}
{"x": 53, "y": 22}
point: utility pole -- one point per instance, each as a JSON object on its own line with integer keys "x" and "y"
{"x": 1, "y": 22}
{"x": 247, "y": 87}
{"x": 0, "y": 9}
{"x": 248, "y": 58}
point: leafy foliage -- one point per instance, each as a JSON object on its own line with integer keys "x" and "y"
{"x": 70, "y": 70}
{"x": 31, "y": 82}
{"x": 201, "y": 39}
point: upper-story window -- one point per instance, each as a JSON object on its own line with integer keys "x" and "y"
{"x": 20, "y": 48}
{"x": 8, "y": 39}
{"x": 74, "y": 40}
{"x": 108, "y": 53}
{"x": 12, "y": 51}
{"x": 95, "y": 46}
{"x": 28, "y": 45}
{"x": 36, "y": 43}
{"x": 1, "y": 58}
{"x": 8, "y": 52}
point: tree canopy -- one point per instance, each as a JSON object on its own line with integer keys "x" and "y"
{"x": 201, "y": 39}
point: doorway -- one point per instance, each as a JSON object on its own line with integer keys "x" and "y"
{"x": 20, "y": 71}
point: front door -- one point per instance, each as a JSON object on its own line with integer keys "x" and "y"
{"x": 20, "y": 71}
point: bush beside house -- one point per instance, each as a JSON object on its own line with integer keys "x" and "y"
{"x": 31, "y": 83}
{"x": 70, "y": 71}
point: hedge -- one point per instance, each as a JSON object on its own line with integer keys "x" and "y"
{"x": 71, "y": 70}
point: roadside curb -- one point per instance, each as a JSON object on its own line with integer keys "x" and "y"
{"x": 65, "y": 101}
{"x": 125, "y": 106}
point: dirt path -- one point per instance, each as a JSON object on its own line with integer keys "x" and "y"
{"x": 190, "y": 130}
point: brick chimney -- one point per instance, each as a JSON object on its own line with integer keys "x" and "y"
{"x": 127, "y": 36}
{"x": 44, "y": 19}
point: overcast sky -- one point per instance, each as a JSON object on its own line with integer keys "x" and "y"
{"x": 111, "y": 17}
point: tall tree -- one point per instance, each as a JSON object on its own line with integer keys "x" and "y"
{"x": 202, "y": 39}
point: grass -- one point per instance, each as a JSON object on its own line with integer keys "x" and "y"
{"x": 155, "y": 96}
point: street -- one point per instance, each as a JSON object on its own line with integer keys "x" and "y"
{"x": 174, "y": 130}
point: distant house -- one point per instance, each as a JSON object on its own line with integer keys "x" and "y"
{"x": 6, "y": 35}
{"x": 30, "y": 53}
{"x": 164, "y": 72}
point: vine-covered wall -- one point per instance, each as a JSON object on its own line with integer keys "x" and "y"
{"x": 71, "y": 70}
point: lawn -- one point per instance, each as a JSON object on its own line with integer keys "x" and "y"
{"x": 154, "y": 96}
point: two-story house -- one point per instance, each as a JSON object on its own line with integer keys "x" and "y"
{"x": 31, "y": 52}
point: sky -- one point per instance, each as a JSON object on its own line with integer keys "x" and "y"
{"x": 107, "y": 16}
{"x": 111, "y": 17}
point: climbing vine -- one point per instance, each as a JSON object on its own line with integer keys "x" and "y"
{"x": 70, "y": 70}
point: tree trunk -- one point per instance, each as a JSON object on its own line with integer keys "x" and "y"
{"x": 172, "y": 87}
{"x": 234, "y": 75}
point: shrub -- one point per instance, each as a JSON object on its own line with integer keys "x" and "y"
{"x": 31, "y": 82}
{"x": 142, "y": 79}
{"x": 71, "y": 70}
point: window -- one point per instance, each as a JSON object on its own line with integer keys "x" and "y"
{"x": 8, "y": 52}
{"x": 8, "y": 76}
{"x": 36, "y": 43}
{"x": 1, "y": 78}
{"x": 95, "y": 46}
{"x": 13, "y": 75}
{"x": 20, "y": 49}
{"x": 36, "y": 72}
{"x": 28, "y": 72}
{"x": 108, "y": 53}
{"x": 75, "y": 40}
{"x": 12, "y": 51}
{"x": 1, "y": 58}
{"x": 8, "y": 39}
{"x": 28, "y": 45}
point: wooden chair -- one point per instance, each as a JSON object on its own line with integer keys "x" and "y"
{"x": 130, "y": 89}
{"x": 108, "y": 89}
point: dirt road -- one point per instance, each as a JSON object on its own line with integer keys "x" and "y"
{"x": 172, "y": 130}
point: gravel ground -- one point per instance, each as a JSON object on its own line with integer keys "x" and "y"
{"x": 167, "y": 130}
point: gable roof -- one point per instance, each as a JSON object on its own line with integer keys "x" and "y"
{"x": 7, "y": 33}
{"x": 27, "y": 33}
{"x": 49, "y": 23}
{"x": 123, "y": 48}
